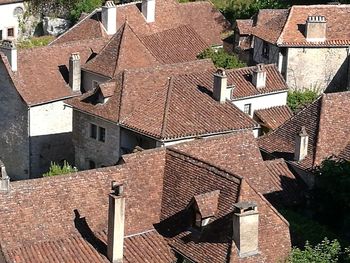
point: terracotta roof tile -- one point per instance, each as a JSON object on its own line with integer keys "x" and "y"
{"x": 244, "y": 26}
{"x": 325, "y": 121}
{"x": 345, "y": 153}
{"x": 207, "y": 203}
{"x": 273, "y": 117}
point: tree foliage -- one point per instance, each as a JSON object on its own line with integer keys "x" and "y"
{"x": 298, "y": 99}
{"x": 83, "y": 6}
{"x": 221, "y": 58}
{"x": 56, "y": 169}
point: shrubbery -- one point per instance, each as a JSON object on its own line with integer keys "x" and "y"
{"x": 221, "y": 58}
{"x": 56, "y": 169}
{"x": 298, "y": 99}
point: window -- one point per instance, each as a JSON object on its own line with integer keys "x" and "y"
{"x": 0, "y": 34}
{"x": 92, "y": 164}
{"x": 265, "y": 50}
{"x": 198, "y": 220}
{"x": 247, "y": 108}
{"x": 93, "y": 131}
{"x": 10, "y": 32}
{"x": 101, "y": 134}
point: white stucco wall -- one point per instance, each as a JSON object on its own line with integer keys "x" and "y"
{"x": 8, "y": 19}
{"x": 50, "y": 118}
{"x": 262, "y": 102}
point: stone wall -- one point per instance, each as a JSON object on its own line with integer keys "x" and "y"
{"x": 129, "y": 140}
{"x": 258, "y": 57}
{"x": 320, "y": 68}
{"x": 88, "y": 149}
{"x": 14, "y": 142}
{"x": 88, "y": 78}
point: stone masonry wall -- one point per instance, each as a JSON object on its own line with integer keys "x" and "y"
{"x": 102, "y": 153}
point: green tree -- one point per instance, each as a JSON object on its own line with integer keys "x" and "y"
{"x": 221, "y": 58}
{"x": 298, "y": 99}
{"x": 56, "y": 169}
{"x": 82, "y": 6}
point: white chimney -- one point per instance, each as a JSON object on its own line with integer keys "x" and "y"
{"x": 316, "y": 28}
{"x": 9, "y": 49}
{"x": 246, "y": 228}
{"x": 221, "y": 92}
{"x": 109, "y": 17}
{"x": 259, "y": 76}
{"x": 116, "y": 218}
{"x": 5, "y": 179}
{"x": 149, "y": 10}
{"x": 75, "y": 72}
{"x": 301, "y": 145}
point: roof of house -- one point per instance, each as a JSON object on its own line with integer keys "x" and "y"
{"x": 325, "y": 121}
{"x": 207, "y": 203}
{"x": 202, "y": 16}
{"x": 345, "y": 154}
{"x": 42, "y": 74}
{"x": 244, "y": 26}
{"x": 5, "y": 2}
{"x": 166, "y": 102}
{"x": 286, "y": 27}
{"x": 273, "y": 117}
{"x": 49, "y": 219}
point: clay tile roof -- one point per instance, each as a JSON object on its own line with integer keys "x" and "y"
{"x": 345, "y": 153}
{"x": 123, "y": 51}
{"x": 207, "y": 203}
{"x": 337, "y": 17}
{"x": 4, "y": 2}
{"x": 325, "y": 122}
{"x": 273, "y": 117}
{"x": 244, "y": 26}
{"x": 43, "y": 72}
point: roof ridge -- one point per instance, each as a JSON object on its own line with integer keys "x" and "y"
{"x": 280, "y": 38}
{"x": 121, "y": 94}
{"x": 119, "y": 47}
{"x": 166, "y": 108}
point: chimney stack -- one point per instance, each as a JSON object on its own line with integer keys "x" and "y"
{"x": 109, "y": 17}
{"x": 259, "y": 76}
{"x": 5, "y": 179}
{"x": 149, "y": 10}
{"x": 301, "y": 145}
{"x": 116, "y": 218}
{"x": 9, "y": 49}
{"x": 246, "y": 228}
{"x": 75, "y": 72}
{"x": 221, "y": 92}
{"x": 316, "y": 28}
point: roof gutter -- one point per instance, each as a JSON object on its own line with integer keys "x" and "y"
{"x": 55, "y": 100}
{"x": 261, "y": 95}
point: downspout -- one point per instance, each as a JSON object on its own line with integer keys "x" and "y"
{"x": 30, "y": 145}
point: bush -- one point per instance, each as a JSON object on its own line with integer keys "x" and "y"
{"x": 298, "y": 99}
{"x": 35, "y": 42}
{"x": 83, "y": 6}
{"x": 56, "y": 169}
{"x": 221, "y": 58}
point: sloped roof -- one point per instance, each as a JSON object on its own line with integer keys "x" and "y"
{"x": 208, "y": 22}
{"x": 325, "y": 121}
{"x": 273, "y": 117}
{"x": 345, "y": 153}
{"x": 244, "y": 26}
{"x": 207, "y": 203}
{"x": 42, "y": 73}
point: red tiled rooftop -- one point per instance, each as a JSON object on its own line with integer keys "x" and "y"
{"x": 273, "y": 117}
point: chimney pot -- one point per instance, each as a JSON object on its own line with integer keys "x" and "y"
{"x": 316, "y": 28}
{"x": 75, "y": 72}
{"x": 259, "y": 76}
{"x": 221, "y": 92}
{"x": 149, "y": 10}
{"x": 301, "y": 145}
{"x": 9, "y": 49}
{"x": 109, "y": 17}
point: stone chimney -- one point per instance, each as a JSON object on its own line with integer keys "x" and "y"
{"x": 301, "y": 145}
{"x": 109, "y": 17}
{"x": 316, "y": 28}
{"x": 5, "y": 179}
{"x": 246, "y": 228}
{"x": 259, "y": 76}
{"x": 221, "y": 92}
{"x": 9, "y": 49}
{"x": 116, "y": 218}
{"x": 149, "y": 10}
{"x": 75, "y": 72}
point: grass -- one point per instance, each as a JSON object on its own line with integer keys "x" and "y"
{"x": 35, "y": 42}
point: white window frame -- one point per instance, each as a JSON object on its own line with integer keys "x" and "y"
{"x": 249, "y": 105}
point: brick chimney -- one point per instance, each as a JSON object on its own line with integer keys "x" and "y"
{"x": 9, "y": 49}
{"x": 5, "y": 179}
{"x": 316, "y": 28}
{"x": 75, "y": 72}
{"x": 301, "y": 145}
{"x": 221, "y": 92}
{"x": 109, "y": 17}
{"x": 149, "y": 10}
{"x": 259, "y": 76}
{"x": 246, "y": 228}
{"x": 116, "y": 218}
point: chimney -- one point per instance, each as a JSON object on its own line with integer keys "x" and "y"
{"x": 246, "y": 228}
{"x": 259, "y": 76}
{"x": 5, "y": 179}
{"x": 116, "y": 217}
{"x": 301, "y": 145}
{"x": 316, "y": 28}
{"x": 221, "y": 92}
{"x": 9, "y": 49}
{"x": 75, "y": 72}
{"x": 109, "y": 17}
{"x": 149, "y": 10}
